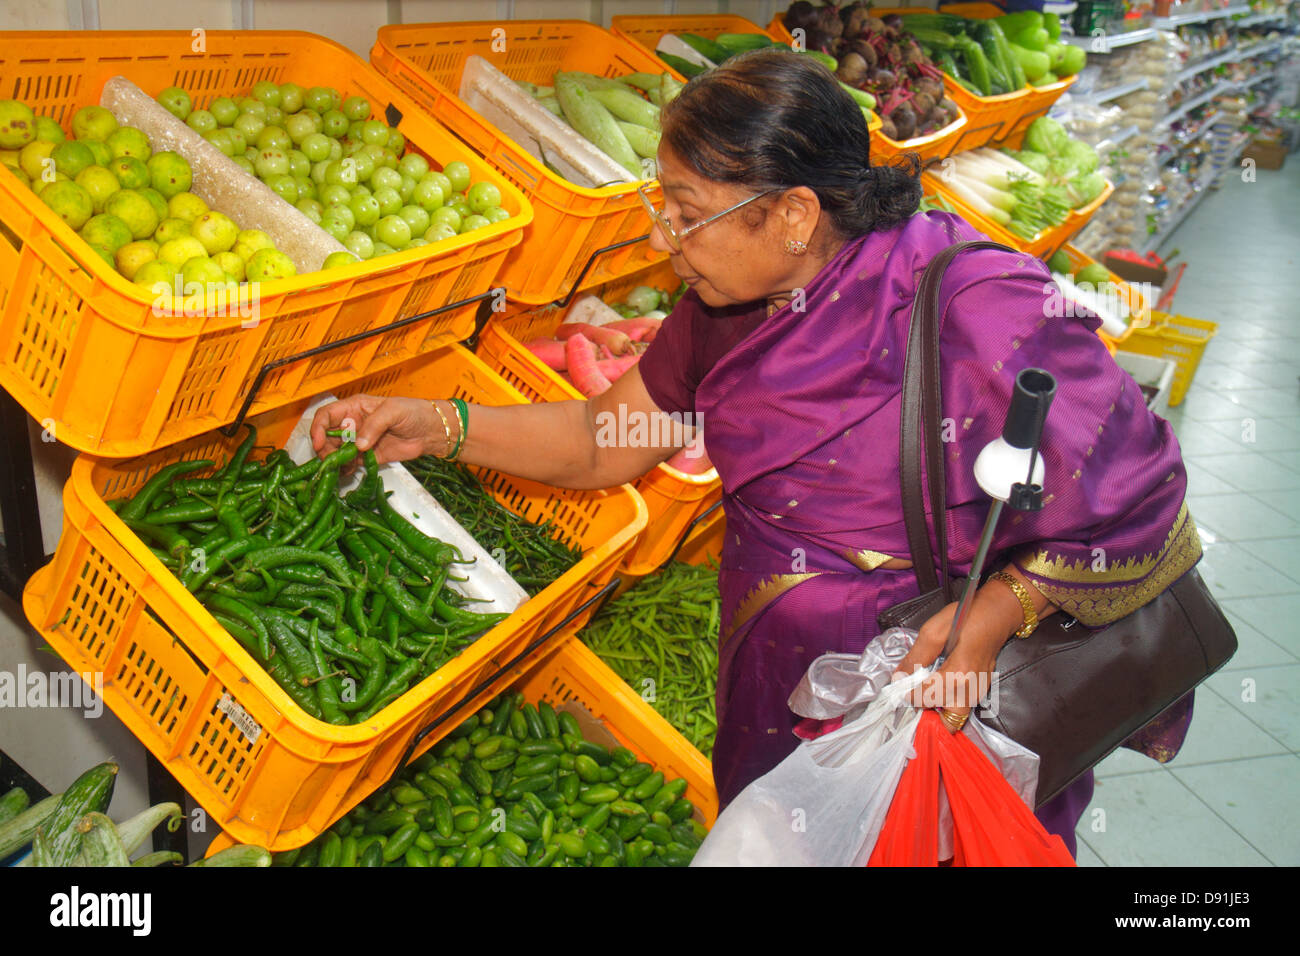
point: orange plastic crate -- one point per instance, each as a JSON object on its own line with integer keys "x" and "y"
{"x": 646, "y": 30}
{"x": 936, "y": 145}
{"x": 987, "y": 117}
{"x": 84, "y": 350}
{"x": 1042, "y": 245}
{"x": 570, "y": 223}
{"x": 1139, "y": 303}
{"x": 1037, "y": 100}
{"x": 571, "y": 674}
{"x": 175, "y": 677}
{"x": 673, "y": 498}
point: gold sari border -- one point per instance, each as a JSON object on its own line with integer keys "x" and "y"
{"x": 1140, "y": 580}
{"x": 759, "y": 597}
{"x": 866, "y": 560}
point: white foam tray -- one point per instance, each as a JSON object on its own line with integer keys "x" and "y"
{"x": 488, "y": 582}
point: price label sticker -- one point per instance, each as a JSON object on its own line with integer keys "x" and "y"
{"x": 240, "y": 718}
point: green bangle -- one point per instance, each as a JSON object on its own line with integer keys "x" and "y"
{"x": 462, "y": 413}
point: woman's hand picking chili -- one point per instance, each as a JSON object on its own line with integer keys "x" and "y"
{"x": 398, "y": 429}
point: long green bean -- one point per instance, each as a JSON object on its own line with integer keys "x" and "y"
{"x": 665, "y": 629}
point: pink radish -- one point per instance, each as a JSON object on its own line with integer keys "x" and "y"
{"x": 613, "y": 368}
{"x": 550, "y": 351}
{"x": 617, "y": 342}
{"x": 636, "y": 327}
{"x": 581, "y": 357}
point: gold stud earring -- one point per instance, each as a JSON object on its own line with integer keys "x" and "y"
{"x": 796, "y": 247}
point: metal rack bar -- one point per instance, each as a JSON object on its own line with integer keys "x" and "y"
{"x": 577, "y": 283}
{"x": 483, "y": 685}
{"x": 233, "y": 428}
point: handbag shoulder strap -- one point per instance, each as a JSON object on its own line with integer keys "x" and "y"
{"x": 921, "y": 411}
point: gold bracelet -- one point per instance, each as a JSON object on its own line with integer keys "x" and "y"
{"x": 1026, "y": 602}
{"x": 445, "y": 428}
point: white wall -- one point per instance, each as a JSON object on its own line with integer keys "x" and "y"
{"x": 352, "y": 23}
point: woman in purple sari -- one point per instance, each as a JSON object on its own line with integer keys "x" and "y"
{"x": 803, "y": 262}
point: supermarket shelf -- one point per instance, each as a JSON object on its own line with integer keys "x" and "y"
{"x": 1115, "y": 92}
{"x": 1257, "y": 79}
{"x": 1202, "y": 16}
{"x": 1229, "y": 56}
{"x": 1156, "y": 241}
{"x": 1257, "y": 19}
{"x": 1261, "y": 49}
{"x": 1113, "y": 142}
{"x": 1106, "y": 42}
{"x": 1196, "y": 101}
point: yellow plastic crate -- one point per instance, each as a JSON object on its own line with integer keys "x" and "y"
{"x": 426, "y": 60}
{"x": 85, "y": 351}
{"x": 1179, "y": 338}
{"x": 187, "y": 689}
{"x": 571, "y": 674}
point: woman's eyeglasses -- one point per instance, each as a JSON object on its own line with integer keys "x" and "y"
{"x": 675, "y": 236}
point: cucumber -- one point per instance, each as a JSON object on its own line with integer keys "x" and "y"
{"x": 100, "y": 843}
{"x": 589, "y": 117}
{"x": 642, "y": 81}
{"x": 629, "y": 107}
{"x": 945, "y": 22}
{"x": 18, "y": 832}
{"x": 711, "y": 51}
{"x": 735, "y": 43}
{"x": 861, "y": 97}
{"x": 1007, "y": 60}
{"x": 645, "y": 142}
{"x": 13, "y": 803}
{"x": 137, "y": 829}
{"x": 160, "y": 858}
{"x": 825, "y": 59}
{"x": 684, "y": 67}
{"x": 41, "y": 855}
{"x": 89, "y": 793}
{"x": 244, "y": 855}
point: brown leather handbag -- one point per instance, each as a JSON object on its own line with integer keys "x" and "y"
{"x": 1070, "y": 694}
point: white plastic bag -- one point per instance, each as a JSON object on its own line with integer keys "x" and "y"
{"x": 825, "y": 804}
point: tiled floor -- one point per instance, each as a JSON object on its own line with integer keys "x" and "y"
{"x": 1230, "y": 796}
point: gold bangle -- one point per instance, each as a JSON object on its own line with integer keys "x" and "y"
{"x": 445, "y": 428}
{"x": 1026, "y": 602}
{"x": 954, "y": 722}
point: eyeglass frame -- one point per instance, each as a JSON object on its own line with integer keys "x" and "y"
{"x": 666, "y": 225}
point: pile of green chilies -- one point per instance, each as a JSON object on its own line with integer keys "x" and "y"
{"x": 516, "y": 785}
{"x": 534, "y": 554}
{"x": 665, "y": 630}
{"x": 340, "y": 599}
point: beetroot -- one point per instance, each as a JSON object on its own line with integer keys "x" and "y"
{"x": 852, "y": 70}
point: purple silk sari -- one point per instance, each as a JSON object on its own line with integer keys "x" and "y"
{"x": 802, "y": 423}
